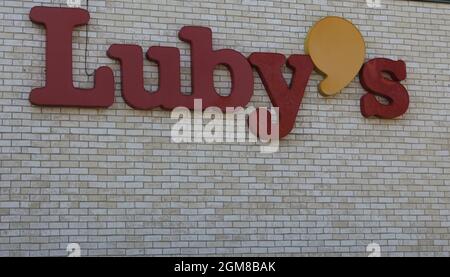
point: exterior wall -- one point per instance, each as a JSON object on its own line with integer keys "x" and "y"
{"x": 112, "y": 181}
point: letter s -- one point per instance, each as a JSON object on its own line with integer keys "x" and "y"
{"x": 373, "y": 81}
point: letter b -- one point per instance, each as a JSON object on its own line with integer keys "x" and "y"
{"x": 204, "y": 61}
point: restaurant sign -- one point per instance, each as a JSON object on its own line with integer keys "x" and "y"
{"x": 334, "y": 47}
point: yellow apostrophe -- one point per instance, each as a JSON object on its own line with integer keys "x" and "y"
{"x": 337, "y": 50}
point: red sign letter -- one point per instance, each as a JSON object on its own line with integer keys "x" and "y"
{"x": 59, "y": 89}
{"x": 287, "y": 98}
{"x": 373, "y": 81}
{"x": 133, "y": 91}
{"x": 204, "y": 61}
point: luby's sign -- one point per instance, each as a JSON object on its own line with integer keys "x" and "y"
{"x": 334, "y": 47}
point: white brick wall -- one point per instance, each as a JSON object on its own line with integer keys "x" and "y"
{"x": 111, "y": 180}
